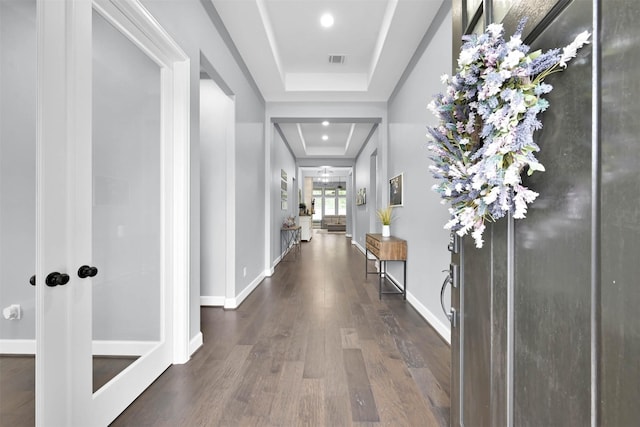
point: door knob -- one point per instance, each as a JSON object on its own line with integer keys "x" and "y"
{"x": 86, "y": 271}
{"x": 55, "y": 279}
{"x": 32, "y": 280}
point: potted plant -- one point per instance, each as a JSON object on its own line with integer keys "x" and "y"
{"x": 303, "y": 208}
{"x": 386, "y": 216}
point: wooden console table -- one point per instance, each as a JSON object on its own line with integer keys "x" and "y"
{"x": 386, "y": 249}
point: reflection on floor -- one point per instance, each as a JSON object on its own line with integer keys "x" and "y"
{"x": 311, "y": 346}
{"x": 17, "y": 385}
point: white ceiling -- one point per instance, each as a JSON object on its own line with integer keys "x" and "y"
{"x": 287, "y": 51}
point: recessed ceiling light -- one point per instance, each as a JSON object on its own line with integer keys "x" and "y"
{"x": 326, "y": 20}
{"x": 325, "y": 123}
{"x": 325, "y": 137}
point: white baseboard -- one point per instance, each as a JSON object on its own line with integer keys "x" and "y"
{"x": 100, "y": 348}
{"x": 122, "y": 348}
{"x": 269, "y": 272}
{"x": 441, "y": 328}
{"x": 233, "y": 303}
{"x": 357, "y": 245}
{"x": 195, "y": 343}
{"x": 17, "y": 346}
{"x": 349, "y": 236}
{"x": 209, "y": 301}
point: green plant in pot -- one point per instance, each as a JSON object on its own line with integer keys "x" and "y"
{"x": 385, "y": 215}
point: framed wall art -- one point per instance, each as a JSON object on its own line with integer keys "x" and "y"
{"x": 361, "y": 196}
{"x": 395, "y": 190}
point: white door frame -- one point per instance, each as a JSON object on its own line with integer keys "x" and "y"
{"x": 63, "y": 325}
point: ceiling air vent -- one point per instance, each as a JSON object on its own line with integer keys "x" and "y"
{"x": 336, "y": 59}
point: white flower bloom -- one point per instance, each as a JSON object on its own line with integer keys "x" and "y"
{"x": 495, "y": 29}
{"x": 444, "y": 78}
{"x": 492, "y": 196}
{"x": 512, "y": 59}
{"x": 477, "y": 235}
{"x": 571, "y": 50}
{"x": 514, "y": 42}
{"x": 451, "y": 223}
{"x": 466, "y": 56}
{"x": 512, "y": 175}
{"x": 477, "y": 182}
{"x": 464, "y": 141}
{"x": 459, "y": 187}
{"x": 433, "y": 108}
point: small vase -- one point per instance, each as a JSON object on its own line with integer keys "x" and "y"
{"x": 386, "y": 231}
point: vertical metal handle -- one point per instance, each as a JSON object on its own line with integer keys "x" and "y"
{"x": 447, "y": 280}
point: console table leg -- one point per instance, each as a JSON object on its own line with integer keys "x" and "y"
{"x": 405, "y": 281}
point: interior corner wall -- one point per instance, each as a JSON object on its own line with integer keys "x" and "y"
{"x": 189, "y": 25}
{"x": 214, "y": 120}
{"x": 281, "y": 160}
{"x": 250, "y": 235}
{"x": 362, "y": 179}
{"x": 420, "y": 221}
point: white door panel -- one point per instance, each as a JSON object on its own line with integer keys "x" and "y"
{"x": 112, "y": 194}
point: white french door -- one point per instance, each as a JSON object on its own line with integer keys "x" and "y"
{"x": 112, "y": 207}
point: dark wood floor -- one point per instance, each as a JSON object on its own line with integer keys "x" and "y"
{"x": 17, "y": 385}
{"x": 311, "y": 346}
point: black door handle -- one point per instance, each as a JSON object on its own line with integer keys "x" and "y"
{"x": 56, "y": 279}
{"x": 86, "y": 271}
{"x": 32, "y": 280}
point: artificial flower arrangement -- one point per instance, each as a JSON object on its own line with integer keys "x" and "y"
{"x": 488, "y": 114}
{"x": 385, "y": 215}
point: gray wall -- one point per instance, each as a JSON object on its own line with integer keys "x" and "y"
{"x": 189, "y": 23}
{"x": 420, "y": 221}
{"x": 214, "y": 123}
{"x": 17, "y": 165}
{"x": 250, "y": 194}
{"x": 281, "y": 159}
{"x": 362, "y": 179}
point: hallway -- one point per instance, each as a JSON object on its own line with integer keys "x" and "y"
{"x": 312, "y": 345}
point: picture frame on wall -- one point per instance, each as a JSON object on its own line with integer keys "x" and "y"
{"x": 284, "y": 193}
{"x": 396, "y": 190}
{"x": 361, "y": 196}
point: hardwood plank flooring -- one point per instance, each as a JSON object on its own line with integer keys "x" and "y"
{"x": 17, "y": 385}
{"x": 311, "y": 346}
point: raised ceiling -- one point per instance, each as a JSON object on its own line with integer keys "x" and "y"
{"x": 287, "y": 52}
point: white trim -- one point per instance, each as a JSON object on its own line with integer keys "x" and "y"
{"x": 269, "y": 271}
{"x": 195, "y": 343}
{"x": 349, "y": 236}
{"x": 230, "y": 208}
{"x": 18, "y": 346}
{"x": 233, "y": 303}
{"x": 211, "y": 301}
{"x": 99, "y": 348}
{"x": 181, "y": 207}
{"x": 122, "y": 348}
{"x": 364, "y": 252}
{"x": 360, "y": 248}
{"x": 441, "y": 328}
